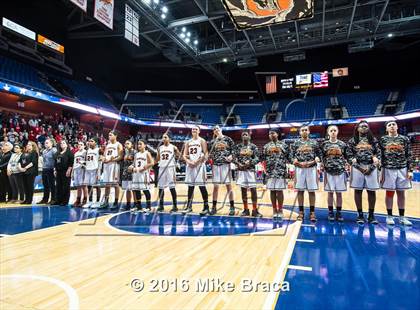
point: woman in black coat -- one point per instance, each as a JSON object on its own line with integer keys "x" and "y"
{"x": 28, "y": 165}
{"x": 63, "y": 166}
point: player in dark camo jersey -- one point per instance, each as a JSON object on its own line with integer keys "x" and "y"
{"x": 275, "y": 154}
{"x": 364, "y": 156}
{"x": 221, "y": 148}
{"x": 245, "y": 158}
{"x": 127, "y": 174}
{"x": 398, "y": 166}
{"x": 305, "y": 154}
{"x": 334, "y": 154}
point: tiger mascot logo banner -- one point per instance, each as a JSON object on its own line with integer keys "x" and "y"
{"x": 247, "y": 14}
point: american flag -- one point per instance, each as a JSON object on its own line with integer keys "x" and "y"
{"x": 271, "y": 84}
{"x": 320, "y": 79}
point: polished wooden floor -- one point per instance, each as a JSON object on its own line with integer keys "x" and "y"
{"x": 92, "y": 266}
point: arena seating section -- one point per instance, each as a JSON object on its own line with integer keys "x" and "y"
{"x": 292, "y": 109}
{"x": 23, "y": 74}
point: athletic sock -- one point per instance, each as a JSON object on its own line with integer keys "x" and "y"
{"x": 254, "y": 206}
{"x": 311, "y": 208}
{"x": 161, "y": 196}
{"x": 331, "y": 209}
{"x": 174, "y": 201}
{"x": 301, "y": 209}
{"x": 401, "y": 211}
{"x": 98, "y": 195}
{"x": 214, "y": 204}
{"x": 371, "y": 212}
{"x": 339, "y": 208}
{"x": 90, "y": 193}
{"x": 232, "y": 204}
{"x": 190, "y": 196}
{"x": 389, "y": 211}
{"x": 204, "y": 194}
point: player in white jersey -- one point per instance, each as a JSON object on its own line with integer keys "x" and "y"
{"x": 78, "y": 174}
{"x": 142, "y": 163}
{"x": 93, "y": 168}
{"x": 167, "y": 154}
{"x": 111, "y": 169}
{"x": 195, "y": 155}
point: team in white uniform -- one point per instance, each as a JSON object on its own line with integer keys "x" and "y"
{"x": 195, "y": 172}
{"x": 141, "y": 174}
{"x": 92, "y": 165}
{"x": 111, "y": 169}
{"x": 92, "y": 171}
{"x": 195, "y": 155}
{"x": 167, "y": 154}
{"x": 79, "y": 174}
{"x": 142, "y": 163}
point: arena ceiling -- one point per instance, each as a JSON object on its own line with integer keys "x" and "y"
{"x": 351, "y": 24}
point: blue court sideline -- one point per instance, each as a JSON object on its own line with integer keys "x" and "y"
{"x": 17, "y": 220}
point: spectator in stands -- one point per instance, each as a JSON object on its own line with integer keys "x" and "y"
{"x": 5, "y": 189}
{"x": 16, "y": 176}
{"x": 12, "y": 135}
{"x": 33, "y": 122}
{"x": 29, "y": 166}
{"x": 48, "y": 179}
{"x": 63, "y": 167}
{"x": 31, "y": 136}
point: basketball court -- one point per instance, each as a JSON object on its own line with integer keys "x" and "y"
{"x": 84, "y": 259}
{"x": 104, "y": 103}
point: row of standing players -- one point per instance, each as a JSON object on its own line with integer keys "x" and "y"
{"x": 363, "y": 155}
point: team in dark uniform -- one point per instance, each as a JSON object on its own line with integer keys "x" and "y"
{"x": 334, "y": 161}
{"x": 305, "y": 154}
{"x": 275, "y": 156}
{"x": 397, "y": 170}
{"x": 126, "y": 172}
{"x": 364, "y": 155}
{"x": 245, "y": 158}
{"x": 221, "y": 153}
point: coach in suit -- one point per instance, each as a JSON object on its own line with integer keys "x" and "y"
{"x": 5, "y": 189}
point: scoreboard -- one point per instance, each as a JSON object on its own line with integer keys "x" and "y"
{"x": 305, "y": 81}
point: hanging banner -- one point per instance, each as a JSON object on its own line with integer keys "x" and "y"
{"x": 104, "y": 12}
{"x": 131, "y": 25}
{"x": 248, "y": 14}
{"x": 81, "y": 4}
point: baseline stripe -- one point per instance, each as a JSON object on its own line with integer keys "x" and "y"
{"x": 296, "y": 267}
{"x": 305, "y": 240}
